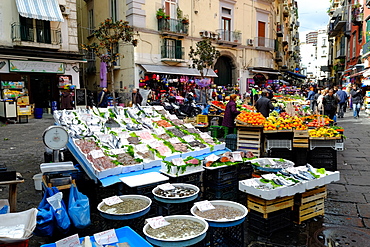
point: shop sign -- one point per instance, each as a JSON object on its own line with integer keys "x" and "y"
{"x": 36, "y": 66}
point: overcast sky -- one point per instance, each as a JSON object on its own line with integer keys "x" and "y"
{"x": 312, "y": 16}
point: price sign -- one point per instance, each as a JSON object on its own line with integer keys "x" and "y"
{"x": 172, "y": 117}
{"x": 97, "y": 154}
{"x": 189, "y": 126}
{"x": 118, "y": 151}
{"x": 189, "y": 138}
{"x": 237, "y": 156}
{"x": 205, "y": 135}
{"x": 70, "y": 241}
{"x": 155, "y": 144}
{"x": 204, "y": 206}
{"x": 104, "y": 137}
{"x": 141, "y": 148}
{"x": 166, "y": 186}
{"x": 159, "y": 131}
{"x": 212, "y": 157}
{"x": 112, "y": 200}
{"x": 269, "y": 176}
{"x": 95, "y": 129}
{"x": 157, "y": 222}
{"x": 106, "y": 237}
{"x": 123, "y": 135}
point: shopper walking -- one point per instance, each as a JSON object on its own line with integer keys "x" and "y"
{"x": 357, "y": 100}
{"x": 311, "y": 97}
{"x": 330, "y": 102}
{"x": 342, "y": 96}
{"x": 264, "y": 105}
{"x": 136, "y": 97}
{"x": 103, "y": 98}
{"x": 230, "y": 114}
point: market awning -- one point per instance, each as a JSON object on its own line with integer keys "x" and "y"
{"x": 296, "y": 74}
{"x": 47, "y": 10}
{"x": 176, "y": 70}
{"x": 358, "y": 73}
{"x": 266, "y": 72}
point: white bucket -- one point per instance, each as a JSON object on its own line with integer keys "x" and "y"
{"x": 37, "y": 179}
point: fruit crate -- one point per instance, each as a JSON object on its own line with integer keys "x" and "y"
{"x": 275, "y": 221}
{"x": 300, "y": 139}
{"x": 309, "y": 204}
{"x": 265, "y": 207}
{"x": 227, "y": 192}
{"x": 249, "y": 139}
{"x": 225, "y": 236}
{"x": 323, "y": 158}
{"x": 231, "y": 142}
{"x": 322, "y": 143}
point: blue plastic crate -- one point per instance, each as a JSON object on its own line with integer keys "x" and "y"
{"x": 124, "y": 234}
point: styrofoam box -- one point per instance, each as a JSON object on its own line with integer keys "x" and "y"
{"x": 273, "y": 193}
{"x": 172, "y": 156}
{"x": 221, "y": 146}
{"x": 108, "y": 172}
{"x": 133, "y": 168}
{"x": 152, "y": 163}
{"x": 174, "y": 171}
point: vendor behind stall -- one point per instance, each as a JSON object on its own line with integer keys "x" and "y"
{"x": 264, "y": 105}
{"x": 230, "y": 114}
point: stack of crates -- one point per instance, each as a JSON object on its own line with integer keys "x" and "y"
{"x": 217, "y": 131}
{"x": 309, "y": 204}
{"x": 225, "y": 236}
{"x": 244, "y": 171}
{"x": 267, "y": 216}
{"x": 221, "y": 183}
{"x": 323, "y": 157}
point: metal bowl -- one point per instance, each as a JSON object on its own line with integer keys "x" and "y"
{"x": 228, "y": 204}
{"x": 188, "y": 186}
{"x": 185, "y": 241}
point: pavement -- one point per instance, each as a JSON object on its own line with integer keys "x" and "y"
{"x": 346, "y": 221}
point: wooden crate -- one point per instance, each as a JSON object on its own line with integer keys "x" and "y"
{"x": 301, "y": 139}
{"x": 309, "y": 204}
{"x": 250, "y": 139}
{"x": 61, "y": 187}
{"x": 268, "y": 206}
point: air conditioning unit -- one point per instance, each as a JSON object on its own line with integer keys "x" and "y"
{"x": 64, "y": 9}
{"x": 250, "y": 42}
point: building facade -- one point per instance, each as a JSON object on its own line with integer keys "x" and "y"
{"x": 256, "y": 39}
{"x": 39, "y": 49}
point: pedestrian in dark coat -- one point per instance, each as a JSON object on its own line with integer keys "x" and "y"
{"x": 330, "y": 102}
{"x": 66, "y": 101}
{"x": 103, "y": 98}
{"x": 357, "y": 100}
{"x": 264, "y": 105}
{"x": 230, "y": 114}
{"x": 136, "y": 97}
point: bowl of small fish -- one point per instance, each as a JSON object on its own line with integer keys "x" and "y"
{"x": 178, "y": 191}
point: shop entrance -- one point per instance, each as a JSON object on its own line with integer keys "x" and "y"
{"x": 43, "y": 90}
{"x": 223, "y": 67}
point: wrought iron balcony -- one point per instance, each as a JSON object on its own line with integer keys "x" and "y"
{"x": 172, "y": 53}
{"x": 263, "y": 43}
{"x": 229, "y": 36}
{"x": 21, "y": 33}
{"x": 173, "y": 26}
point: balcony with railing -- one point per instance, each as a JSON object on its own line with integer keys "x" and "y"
{"x": 173, "y": 26}
{"x": 35, "y": 37}
{"x": 263, "y": 43}
{"x": 172, "y": 53}
{"x": 336, "y": 23}
{"x": 357, "y": 16}
{"x": 232, "y": 38}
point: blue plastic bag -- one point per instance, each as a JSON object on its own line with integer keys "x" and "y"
{"x": 45, "y": 216}
{"x": 61, "y": 217}
{"x": 78, "y": 208}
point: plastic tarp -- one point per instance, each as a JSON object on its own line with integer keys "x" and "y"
{"x": 19, "y": 224}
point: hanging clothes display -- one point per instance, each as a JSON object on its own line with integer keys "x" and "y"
{"x": 103, "y": 74}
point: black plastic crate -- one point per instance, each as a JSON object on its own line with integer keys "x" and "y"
{"x": 228, "y": 192}
{"x": 194, "y": 178}
{"x": 328, "y": 164}
{"x": 217, "y": 131}
{"x": 231, "y": 141}
{"x": 276, "y": 221}
{"x": 322, "y": 153}
{"x": 226, "y": 236}
{"x": 300, "y": 156}
{"x": 165, "y": 209}
{"x": 144, "y": 190}
{"x": 220, "y": 174}
{"x": 244, "y": 170}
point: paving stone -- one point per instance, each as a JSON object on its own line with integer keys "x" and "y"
{"x": 357, "y": 188}
{"x": 364, "y": 210}
{"x": 343, "y": 220}
{"x": 346, "y": 196}
{"x": 357, "y": 180}
{"x": 341, "y": 208}
{"x": 336, "y": 187}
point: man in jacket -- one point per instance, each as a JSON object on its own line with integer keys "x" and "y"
{"x": 311, "y": 98}
{"x": 330, "y": 102}
{"x": 356, "y": 95}
{"x": 342, "y": 96}
{"x": 264, "y": 105}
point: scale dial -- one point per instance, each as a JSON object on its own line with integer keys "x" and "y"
{"x": 55, "y": 137}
